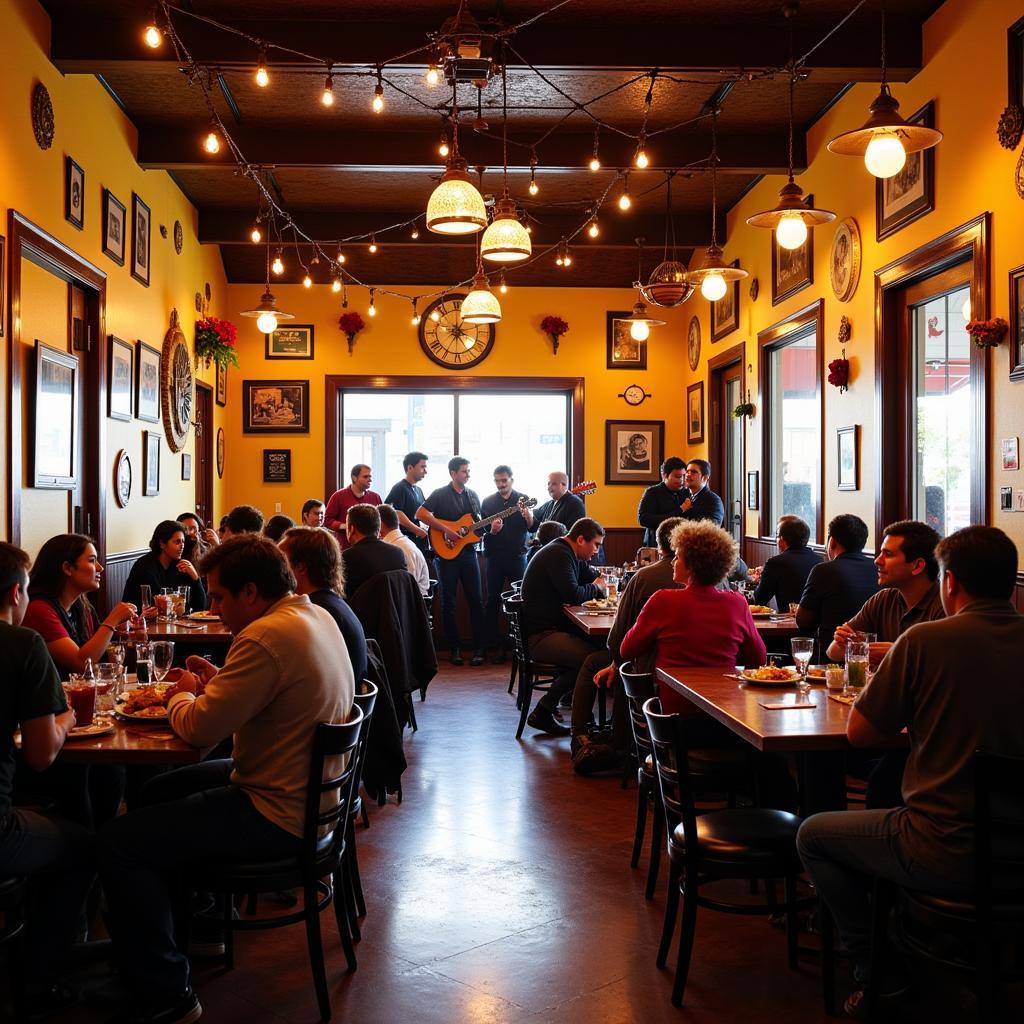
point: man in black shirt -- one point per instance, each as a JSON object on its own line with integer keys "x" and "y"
{"x": 56, "y": 855}
{"x": 662, "y": 501}
{"x": 406, "y": 497}
{"x": 367, "y": 555}
{"x": 837, "y": 588}
{"x": 785, "y": 575}
{"x": 564, "y": 506}
{"x": 700, "y": 502}
{"x": 505, "y": 548}
{"x": 448, "y": 505}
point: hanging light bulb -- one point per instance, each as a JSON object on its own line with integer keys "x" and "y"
{"x": 534, "y": 187}
{"x": 624, "y": 200}
{"x": 266, "y": 314}
{"x": 480, "y": 306}
{"x": 307, "y": 281}
{"x": 640, "y": 323}
{"x": 415, "y": 233}
{"x": 503, "y": 287}
{"x": 639, "y": 331}
{"x": 594, "y": 229}
{"x": 558, "y": 259}
{"x": 567, "y": 259}
{"x": 256, "y": 235}
{"x": 435, "y": 315}
{"x": 372, "y": 311}
{"x": 432, "y": 76}
{"x": 415, "y": 315}
{"x": 378, "y": 95}
{"x": 595, "y": 160}
{"x": 641, "y": 159}
{"x": 456, "y": 207}
{"x": 327, "y": 96}
{"x": 443, "y": 149}
{"x": 885, "y": 155}
{"x": 262, "y": 74}
{"x": 278, "y": 265}
{"x": 791, "y": 231}
{"x": 212, "y": 141}
{"x": 340, "y": 258}
{"x": 336, "y": 285}
{"x": 152, "y": 36}
{"x": 373, "y": 245}
{"x": 713, "y": 286}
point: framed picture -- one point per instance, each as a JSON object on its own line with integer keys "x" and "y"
{"x": 3, "y": 277}
{"x": 147, "y": 383}
{"x": 848, "y": 441}
{"x": 623, "y": 351}
{"x": 753, "y": 489}
{"x": 54, "y": 452}
{"x": 634, "y": 451}
{"x": 220, "y": 452}
{"x": 151, "y": 462}
{"x": 275, "y": 406}
{"x": 844, "y": 260}
{"x": 113, "y": 227}
{"x": 74, "y": 193}
{"x": 222, "y": 384}
{"x": 121, "y": 379}
{"x": 122, "y": 479}
{"x": 186, "y": 466}
{"x": 693, "y": 342}
{"x": 1005, "y": 499}
{"x": 1011, "y": 453}
{"x": 277, "y": 465}
{"x": 725, "y": 313}
{"x": 792, "y": 269}
{"x": 1016, "y": 321}
{"x": 910, "y": 194}
{"x": 292, "y": 342}
{"x": 695, "y": 413}
{"x": 140, "y": 240}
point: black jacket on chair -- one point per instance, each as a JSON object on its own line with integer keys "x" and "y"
{"x": 370, "y": 557}
{"x": 385, "y": 757}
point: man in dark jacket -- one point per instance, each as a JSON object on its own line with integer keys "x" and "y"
{"x": 366, "y": 554}
{"x": 785, "y": 575}
{"x": 662, "y": 501}
{"x": 564, "y": 506}
{"x": 700, "y": 502}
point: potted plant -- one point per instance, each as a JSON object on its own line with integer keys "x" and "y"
{"x": 554, "y": 327}
{"x": 215, "y": 341}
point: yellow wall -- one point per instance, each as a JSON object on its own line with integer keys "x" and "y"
{"x": 965, "y": 74}
{"x": 91, "y": 129}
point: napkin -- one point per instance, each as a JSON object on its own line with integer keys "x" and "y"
{"x": 786, "y": 707}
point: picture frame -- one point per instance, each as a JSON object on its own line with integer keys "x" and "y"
{"x": 844, "y": 260}
{"x": 1016, "y": 323}
{"x": 1010, "y": 449}
{"x": 3, "y": 277}
{"x": 622, "y": 351}
{"x": 54, "y": 420}
{"x": 693, "y": 342}
{"x": 141, "y": 218}
{"x": 292, "y": 342}
{"x": 910, "y": 194}
{"x": 147, "y": 383}
{"x": 74, "y": 193}
{"x": 113, "y": 227}
{"x": 634, "y": 451}
{"x": 695, "y": 413}
{"x": 277, "y": 465}
{"x": 186, "y": 466}
{"x": 151, "y": 442}
{"x": 848, "y": 451}
{"x": 792, "y": 269}
{"x": 220, "y": 452}
{"x": 725, "y": 313}
{"x": 120, "y": 379}
{"x": 275, "y": 406}
{"x": 222, "y": 384}
{"x": 753, "y": 489}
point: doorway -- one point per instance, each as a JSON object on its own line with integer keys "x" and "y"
{"x": 204, "y": 452}
{"x": 727, "y": 442}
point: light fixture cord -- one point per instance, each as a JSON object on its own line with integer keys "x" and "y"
{"x": 504, "y": 114}
{"x": 792, "y": 86}
{"x": 884, "y": 82}
{"x": 714, "y": 173}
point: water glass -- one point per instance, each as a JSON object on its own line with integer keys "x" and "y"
{"x": 802, "y": 648}
{"x": 117, "y": 652}
{"x": 107, "y": 675}
{"x": 165, "y": 605}
{"x": 145, "y": 596}
{"x": 856, "y": 666}
{"x": 144, "y": 663}
{"x": 162, "y": 652}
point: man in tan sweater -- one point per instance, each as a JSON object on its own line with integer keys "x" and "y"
{"x": 287, "y": 670}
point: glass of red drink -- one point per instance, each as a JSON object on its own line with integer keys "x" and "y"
{"x": 82, "y": 698}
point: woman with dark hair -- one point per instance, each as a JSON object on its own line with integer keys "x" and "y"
{"x": 197, "y": 537}
{"x": 165, "y": 566}
{"x": 277, "y": 526}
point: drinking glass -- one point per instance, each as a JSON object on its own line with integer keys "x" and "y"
{"x": 117, "y": 652}
{"x": 802, "y": 648}
{"x": 144, "y": 663}
{"x": 165, "y": 605}
{"x": 856, "y": 666}
{"x": 162, "y": 652}
{"x": 145, "y": 596}
{"x": 107, "y": 675}
{"x": 181, "y": 599}
{"x": 82, "y": 698}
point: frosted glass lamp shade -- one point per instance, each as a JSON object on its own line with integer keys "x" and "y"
{"x": 456, "y": 207}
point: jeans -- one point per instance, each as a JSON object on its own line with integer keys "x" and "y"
{"x": 558, "y": 648}
{"x": 844, "y": 851}
{"x": 190, "y": 816}
{"x": 59, "y": 858}
{"x": 464, "y": 568}
{"x": 500, "y": 568}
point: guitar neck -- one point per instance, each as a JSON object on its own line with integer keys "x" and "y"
{"x": 503, "y": 514}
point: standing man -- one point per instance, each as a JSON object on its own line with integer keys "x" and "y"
{"x": 505, "y": 548}
{"x": 700, "y": 502}
{"x": 662, "y": 501}
{"x": 784, "y": 575}
{"x": 357, "y": 493}
{"x": 366, "y": 554}
{"x": 414, "y": 560}
{"x": 406, "y": 497}
{"x": 313, "y": 512}
{"x": 564, "y": 506}
{"x": 447, "y": 505}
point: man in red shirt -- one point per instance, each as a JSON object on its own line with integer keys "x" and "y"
{"x": 357, "y": 493}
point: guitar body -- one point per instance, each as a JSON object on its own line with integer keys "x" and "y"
{"x": 447, "y": 549}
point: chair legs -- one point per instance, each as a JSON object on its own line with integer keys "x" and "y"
{"x": 412, "y": 712}
{"x": 671, "y": 910}
{"x": 316, "y": 950}
{"x": 525, "y": 696}
{"x": 657, "y": 842}
{"x": 792, "y": 932}
{"x": 687, "y": 930}
{"x": 641, "y": 824}
{"x": 342, "y": 902}
{"x": 512, "y": 674}
{"x": 882, "y": 899}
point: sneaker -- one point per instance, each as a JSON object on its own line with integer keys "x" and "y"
{"x": 543, "y": 720}
{"x": 477, "y": 659}
{"x": 456, "y": 657}
{"x": 591, "y": 758}
{"x": 206, "y": 938}
{"x": 183, "y": 1010}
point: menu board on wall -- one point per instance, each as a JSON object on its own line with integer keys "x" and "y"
{"x": 277, "y": 465}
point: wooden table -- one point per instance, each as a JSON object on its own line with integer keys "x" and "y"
{"x": 598, "y": 622}
{"x": 214, "y": 632}
{"x": 132, "y": 743}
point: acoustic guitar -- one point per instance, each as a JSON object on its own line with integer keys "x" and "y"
{"x": 469, "y": 530}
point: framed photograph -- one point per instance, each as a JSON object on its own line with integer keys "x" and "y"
{"x": 1005, "y": 499}
{"x": 753, "y": 489}
{"x": 220, "y": 452}
{"x": 74, "y": 193}
{"x": 1011, "y": 454}
{"x": 147, "y": 383}
{"x": 140, "y": 240}
{"x": 222, "y": 384}
{"x": 277, "y": 465}
{"x": 151, "y": 462}
{"x": 844, "y": 260}
{"x": 848, "y": 442}
{"x": 292, "y": 342}
{"x": 624, "y": 352}
{"x": 186, "y": 466}
{"x": 122, "y": 479}
{"x": 725, "y": 313}
{"x": 1016, "y": 320}
{"x": 695, "y": 413}
{"x": 113, "y": 227}
{"x": 910, "y": 194}
{"x": 634, "y": 451}
{"x": 120, "y": 380}
{"x": 54, "y": 452}
{"x": 275, "y": 406}
{"x": 792, "y": 269}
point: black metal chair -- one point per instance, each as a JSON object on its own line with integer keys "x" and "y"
{"x": 13, "y": 897}
{"x": 506, "y": 596}
{"x": 732, "y": 843}
{"x": 317, "y": 869}
{"x": 533, "y": 675}
{"x": 365, "y": 699}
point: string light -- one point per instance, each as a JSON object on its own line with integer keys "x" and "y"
{"x": 212, "y": 141}
{"x": 340, "y": 258}
{"x": 534, "y": 187}
{"x": 278, "y": 265}
{"x": 503, "y": 287}
{"x": 443, "y": 149}
{"x": 595, "y": 160}
{"x": 415, "y": 233}
{"x": 378, "y": 94}
{"x": 641, "y": 159}
{"x": 373, "y": 245}
{"x": 372, "y": 311}
{"x": 307, "y": 281}
{"x": 624, "y": 201}
{"x": 594, "y": 230}
{"x": 564, "y": 257}
{"x": 262, "y": 75}
{"x": 336, "y": 285}
{"x": 256, "y": 235}
{"x": 415, "y": 315}
{"x": 432, "y": 76}
{"x": 152, "y": 36}
{"x": 435, "y": 315}
{"x": 327, "y": 96}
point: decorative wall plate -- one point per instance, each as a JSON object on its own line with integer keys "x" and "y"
{"x": 844, "y": 260}
{"x": 693, "y": 343}
{"x": 1019, "y": 177}
{"x": 176, "y": 385}
{"x": 42, "y": 116}
{"x": 179, "y": 237}
{"x": 635, "y": 395}
{"x": 220, "y": 452}
{"x": 122, "y": 478}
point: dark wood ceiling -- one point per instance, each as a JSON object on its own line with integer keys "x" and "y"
{"x": 344, "y": 172}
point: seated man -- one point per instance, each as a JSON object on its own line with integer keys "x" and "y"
{"x": 837, "y": 588}
{"x": 57, "y": 855}
{"x": 286, "y": 671}
{"x": 390, "y": 533}
{"x": 784, "y": 575}
{"x": 928, "y": 683}
{"x": 366, "y": 554}
{"x": 240, "y": 520}
{"x": 313, "y": 512}
{"x": 559, "y": 575}
{"x": 546, "y": 532}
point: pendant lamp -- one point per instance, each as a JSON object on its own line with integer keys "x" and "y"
{"x": 667, "y": 285}
{"x": 266, "y": 314}
{"x": 640, "y": 323}
{"x": 481, "y": 306}
{"x": 456, "y": 207}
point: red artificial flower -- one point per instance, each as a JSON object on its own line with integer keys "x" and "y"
{"x": 988, "y": 333}
{"x": 554, "y": 325}
{"x": 839, "y": 373}
{"x": 351, "y": 322}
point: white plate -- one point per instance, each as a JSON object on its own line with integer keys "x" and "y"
{"x": 203, "y": 617}
{"x": 88, "y": 732}
{"x": 754, "y": 681}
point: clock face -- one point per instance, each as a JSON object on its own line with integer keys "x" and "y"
{"x": 634, "y": 394}
{"x": 448, "y": 340}
{"x": 176, "y": 367}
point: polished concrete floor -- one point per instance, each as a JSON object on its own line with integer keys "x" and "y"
{"x": 500, "y": 891}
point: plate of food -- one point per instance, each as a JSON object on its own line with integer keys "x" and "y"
{"x": 204, "y": 617}
{"x": 816, "y": 672}
{"x": 600, "y": 604}
{"x": 87, "y": 732}
{"x": 144, "y": 703}
{"x": 761, "y": 611}
{"x": 771, "y": 675}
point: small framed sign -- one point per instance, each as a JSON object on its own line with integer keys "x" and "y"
{"x": 277, "y": 465}
{"x": 753, "y": 489}
{"x": 186, "y": 466}
{"x": 292, "y": 342}
{"x": 848, "y": 442}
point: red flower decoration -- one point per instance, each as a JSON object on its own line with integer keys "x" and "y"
{"x": 554, "y": 325}
{"x": 215, "y": 341}
{"x": 351, "y": 323}
{"x": 988, "y": 333}
{"x": 839, "y": 374}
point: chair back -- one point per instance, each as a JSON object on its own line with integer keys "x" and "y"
{"x": 365, "y": 699}
{"x": 671, "y": 763}
{"x": 999, "y": 833}
{"x": 329, "y": 800}
{"x": 513, "y": 607}
{"x": 639, "y": 688}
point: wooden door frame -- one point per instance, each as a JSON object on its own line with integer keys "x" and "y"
{"x": 207, "y": 442}
{"x": 717, "y": 366}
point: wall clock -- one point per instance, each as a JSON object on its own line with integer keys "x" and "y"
{"x": 448, "y": 340}
{"x": 693, "y": 343}
{"x": 122, "y": 478}
{"x": 176, "y": 385}
{"x": 634, "y": 395}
